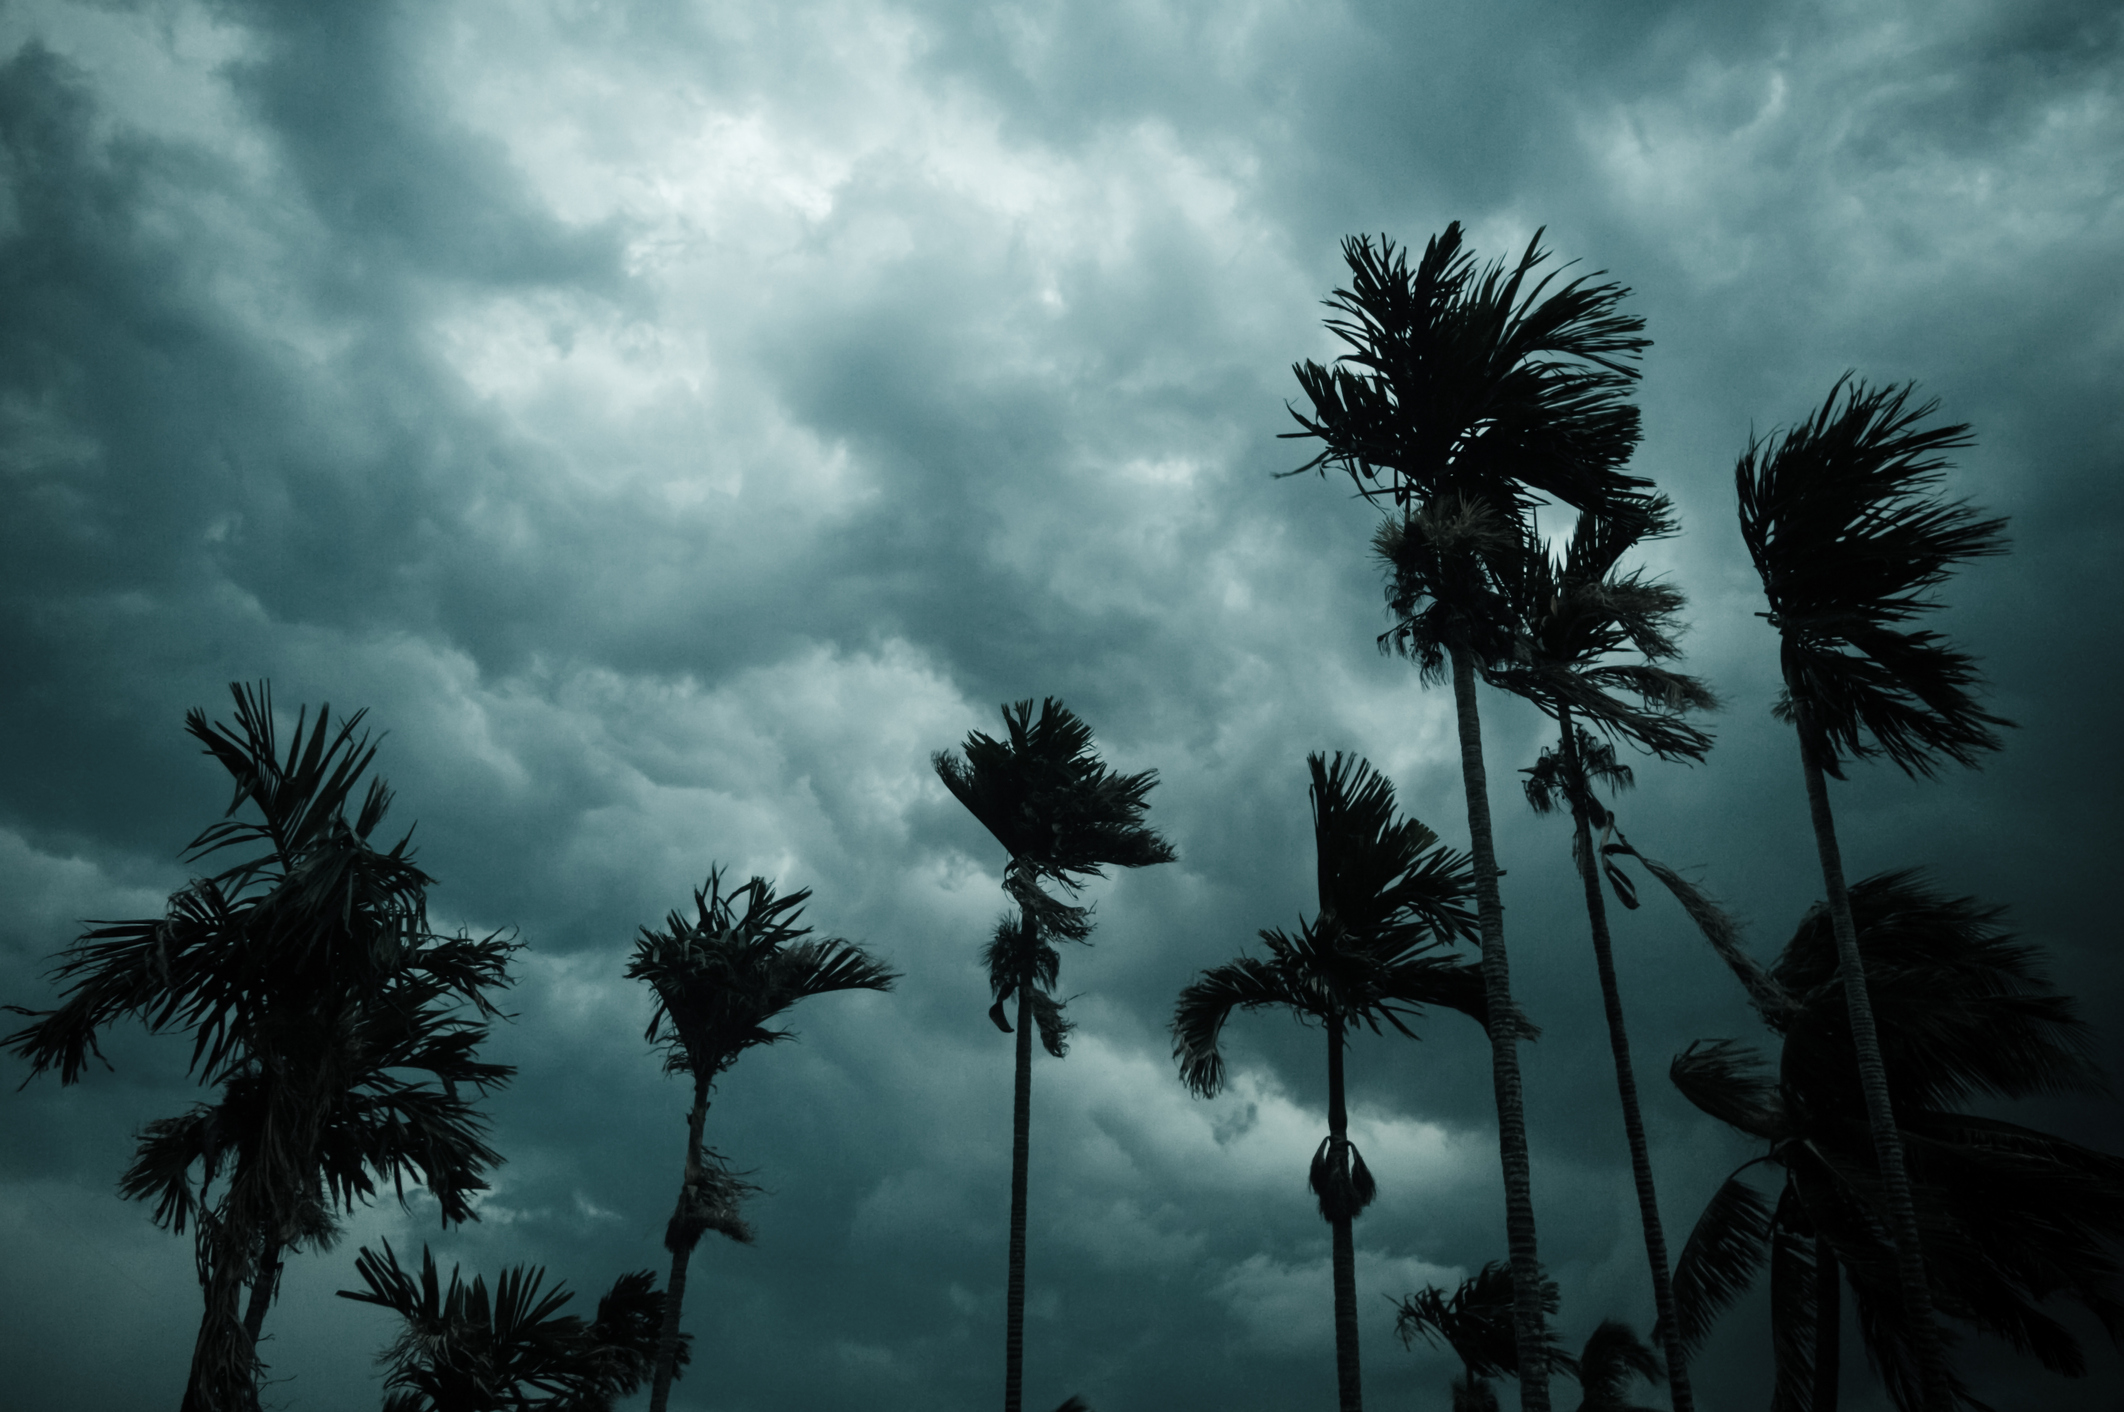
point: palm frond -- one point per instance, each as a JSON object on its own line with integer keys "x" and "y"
{"x": 1718, "y": 1262}
{"x": 1733, "y": 1084}
{"x": 1198, "y": 1020}
{"x": 1842, "y": 518}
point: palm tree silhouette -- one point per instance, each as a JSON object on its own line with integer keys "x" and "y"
{"x": 1579, "y": 617}
{"x": 1614, "y": 1357}
{"x": 1476, "y": 1323}
{"x": 1061, "y": 815}
{"x": 464, "y": 1350}
{"x": 311, "y": 983}
{"x": 2012, "y": 1216}
{"x": 720, "y": 977}
{"x": 1467, "y": 395}
{"x": 1391, "y": 903}
{"x": 1840, "y": 517}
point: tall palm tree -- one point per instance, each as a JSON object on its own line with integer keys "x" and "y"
{"x": 1842, "y": 519}
{"x": 2013, "y": 1217}
{"x": 720, "y": 977}
{"x": 1475, "y": 1321}
{"x": 1468, "y": 394}
{"x": 464, "y": 1350}
{"x": 1392, "y": 902}
{"x": 1063, "y": 817}
{"x": 1582, "y": 620}
{"x": 312, "y": 985}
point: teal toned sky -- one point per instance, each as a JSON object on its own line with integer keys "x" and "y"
{"x": 674, "y": 421}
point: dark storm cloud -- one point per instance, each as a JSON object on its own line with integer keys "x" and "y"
{"x": 676, "y": 423}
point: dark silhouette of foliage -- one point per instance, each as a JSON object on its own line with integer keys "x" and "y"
{"x": 464, "y": 1350}
{"x": 312, "y": 986}
{"x": 721, "y": 977}
{"x": 1841, "y": 518}
{"x": 1392, "y": 902}
{"x": 1062, "y": 816}
{"x": 1476, "y": 1323}
{"x": 2014, "y": 1218}
{"x": 1469, "y": 395}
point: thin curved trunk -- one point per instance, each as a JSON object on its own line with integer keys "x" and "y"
{"x": 217, "y": 1378}
{"x": 1504, "y": 1052}
{"x": 1873, "y": 1080}
{"x": 1626, "y": 1082}
{"x": 667, "y": 1339}
{"x": 1348, "y": 1380}
{"x": 1020, "y": 1144}
{"x": 1828, "y": 1327}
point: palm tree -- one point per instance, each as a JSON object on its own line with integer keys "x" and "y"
{"x": 720, "y": 977}
{"x": 311, "y": 982}
{"x": 1391, "y": 903}
{"x": 2013, "y": 1217}
{"x": 462, "y": 1350}
{"x": 1466, "y": 395}
{"x": 1840, "y": 516}
{"x": 1613, "y": 1358}
{"x": 1476, "y": 1323}
{"x": 1579, "y": 615}
{"x": 1062, "y": 816}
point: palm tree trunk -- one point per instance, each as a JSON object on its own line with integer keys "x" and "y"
{"x": 218, "y": 1377}
{"x": 1348, "y": 1380}
{"x": 1504, "y": 1052}
{"x": 262, "y": 1291}
{"x": 1020, "y": 1144}
{"x": 667, "y": 1339}
{"x": 1626, "y": 1079}
{"x": 1828, "y": 1327}
{"x": 1873, "y": 1080}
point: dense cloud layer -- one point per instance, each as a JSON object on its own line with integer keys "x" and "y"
{"x": 675, "y": 422}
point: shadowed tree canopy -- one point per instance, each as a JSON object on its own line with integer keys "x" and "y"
{"x": 1841, "y": 517}
{"x": 2014, "y": 1218}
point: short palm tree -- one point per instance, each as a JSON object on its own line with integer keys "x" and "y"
{"x": 1062, "y": 817}
{"x": 464, "y": 1350}
{"x": 1467, "y": 395}
{"x": 1392, "y": 902}
{"x": 2013, "y": 1217}
{"x": 1475, "y": 1322}
{"x": 1583, "y": 621}
{"x": 1842, "y": 519}
{"x": 1614, "y": 1357}
{"x": 721, "y": 977}
{"x": 314, "y": 988}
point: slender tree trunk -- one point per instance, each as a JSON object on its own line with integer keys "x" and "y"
{"x": 1349, "y": 1384}
{"x": 1828, "y": 1327}
{"x": 1873, "y": 1080}
{"x": 1020, "y": 1144}
{"x": 262, "y": 1292}
{"x": 1626, "y": 1079}
{"x": 1504, "y": 1053}
{"x": 667, "y": 1339}
{"x": 218, "y": 1377}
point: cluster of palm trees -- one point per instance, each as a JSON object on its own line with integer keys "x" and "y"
{"x": 1471, "y": 396}
{"x": 340, "y": 1032}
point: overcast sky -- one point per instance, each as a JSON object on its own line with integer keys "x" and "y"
{"x": 676, "y": 421}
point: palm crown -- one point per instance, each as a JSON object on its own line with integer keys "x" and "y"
{"x": 1840, "y": 516}
{"x": 1483, "y": 383}
{"x": 722, "y": 975}
{"x": 2013, "y": 1217}
{"x": 1391, "y": 901}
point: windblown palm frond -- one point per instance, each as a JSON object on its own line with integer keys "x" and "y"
{"x": 1475, "y": 1322}
{"x": 464, "y": 1349}
{"x": 1841, "y": 516}
{"x": 1463, "y": 379}
{"x": 1613, "y": 1358}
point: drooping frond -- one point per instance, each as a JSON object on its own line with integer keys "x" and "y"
{"x": 1842, "y": 518}
{"x": 1725, "y": 1249}
{"x": 1732, "y": 1084}
{"x": 1198, "y": 1020}
{"x": 1475, "y": 1321}
{"x": 1613, "y": 1358}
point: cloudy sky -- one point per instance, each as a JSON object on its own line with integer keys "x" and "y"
{"x": 675, "y": 421}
